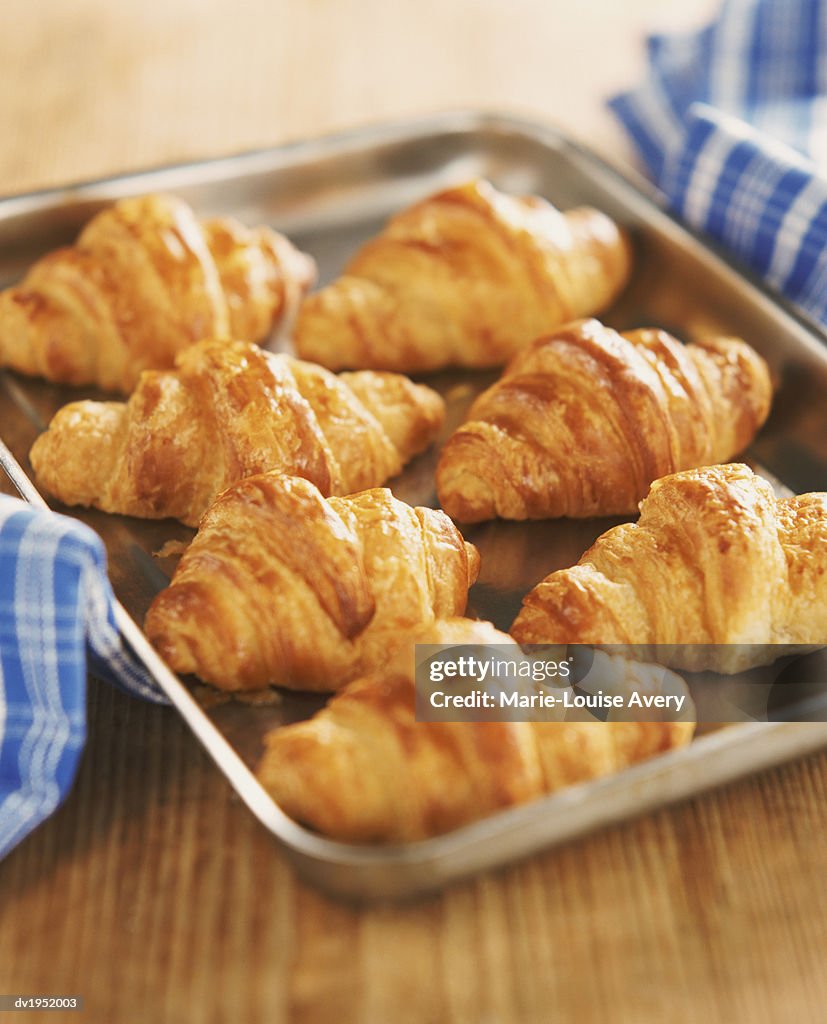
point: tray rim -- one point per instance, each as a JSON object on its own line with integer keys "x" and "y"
{"x": 311, "y": 853}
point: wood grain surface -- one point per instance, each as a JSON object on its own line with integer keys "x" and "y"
{"x": 153, "y": 893}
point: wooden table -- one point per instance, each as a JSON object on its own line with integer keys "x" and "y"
{"x": 153, "y": 893}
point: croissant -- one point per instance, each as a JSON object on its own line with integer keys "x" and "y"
{"x": 364, "y": 770}
{"x": 465, "y": 278}
{"x": 227, "y": 411}
{"x": 283, "y": 586}
{"x": 144, "y": 280}
{"x": 715, "y": 569}
{"x": 582, "y": 421}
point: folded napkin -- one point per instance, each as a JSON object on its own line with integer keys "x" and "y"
{"x": 731, "y": 124}
{"x": 56, "y": 623}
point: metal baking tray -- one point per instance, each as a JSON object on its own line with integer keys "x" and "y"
{"x": 330, "y": 195}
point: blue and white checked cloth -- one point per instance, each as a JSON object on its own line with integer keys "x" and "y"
{"x": 56, "y": 622}
{"x": 732, "y": 126}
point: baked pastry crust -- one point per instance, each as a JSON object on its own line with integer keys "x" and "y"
{"x": 715, "y": 569}
{"x": 435, "y": 776}
{"x": 466, "y": 277}
{"x": 144, "y": 280}
{"x": 230, "y": 410}
{"x": 583, "y": 421}
{"x": 282, "y": 586}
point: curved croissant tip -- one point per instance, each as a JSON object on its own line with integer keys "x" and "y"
{"x": 473, "y": 557}
{"x": 463, "y": 495}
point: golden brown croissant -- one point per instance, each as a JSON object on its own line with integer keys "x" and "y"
{"x": 364, "y": 770}
{"x": 227, "y": 411}
{"x": 465, "y": 277}
{"x": 283, "y": 586}
{"x": 582, "y": 421}
{"x": 715, "y": 559}
{"x": 144, "y": 280}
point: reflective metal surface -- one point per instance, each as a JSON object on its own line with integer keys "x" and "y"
{"x": 330, "y": 195}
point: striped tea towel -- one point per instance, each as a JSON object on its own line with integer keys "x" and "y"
{"x": 56, "y": 621}
{"x": 732, "y": 126}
